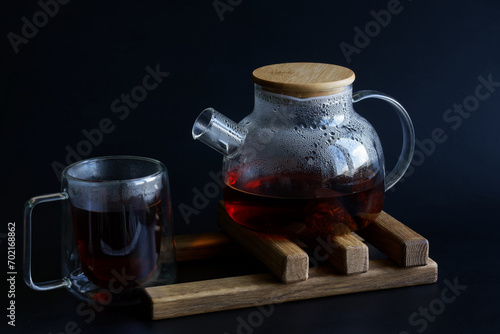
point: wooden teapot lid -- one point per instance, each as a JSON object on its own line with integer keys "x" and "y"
{"x": 303, "y": 79}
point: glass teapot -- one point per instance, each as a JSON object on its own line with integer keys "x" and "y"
{"x": 303, "y": 163}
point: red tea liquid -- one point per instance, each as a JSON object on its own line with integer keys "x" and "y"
{"x": 335, "y": 207}
{"x": 118, "y": 247}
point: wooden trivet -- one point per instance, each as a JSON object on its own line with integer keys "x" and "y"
{"x": 347, "y": 253}
{"x": 292, "y": 279}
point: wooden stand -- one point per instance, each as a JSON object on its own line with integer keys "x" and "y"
{"x": 292, "y": 277}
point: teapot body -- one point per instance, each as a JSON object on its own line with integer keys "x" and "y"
{"x": 307, "y": 167}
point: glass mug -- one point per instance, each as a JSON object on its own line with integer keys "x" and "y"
{"x": 117, "y": 232}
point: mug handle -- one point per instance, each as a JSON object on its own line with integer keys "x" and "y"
{"x": 28, "y": 208}
{"x": 408, "y": 134}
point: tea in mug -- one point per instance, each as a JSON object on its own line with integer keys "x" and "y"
{"x": 118, "y": 244}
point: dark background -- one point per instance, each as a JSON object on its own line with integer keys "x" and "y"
{"x": 429, "y": 57}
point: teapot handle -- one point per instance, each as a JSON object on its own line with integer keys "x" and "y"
{"x": 408, "y": 134}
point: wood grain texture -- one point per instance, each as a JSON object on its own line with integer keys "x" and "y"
{"x": 303, "y": 80}
{"x": 177, "y": 300}
{"x": 351, "y": 256}
{"x": 283, "y": 257}
{"x": 400, "y": 243}
{"x": 346, "y": 253}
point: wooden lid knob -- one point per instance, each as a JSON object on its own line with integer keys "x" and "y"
{"x": 303, "y": 79}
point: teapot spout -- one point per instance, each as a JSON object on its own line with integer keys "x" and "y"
{"x": 218, "y": 132}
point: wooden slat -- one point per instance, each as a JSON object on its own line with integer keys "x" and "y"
{"x": 252, "y": 290}
{"x": 400, "y": 243}
{"x": 351, "y": 256}
{"x": 283, "y": 257}
{"x": 348, "y": 254}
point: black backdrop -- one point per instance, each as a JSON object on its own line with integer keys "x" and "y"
{"x": 67, "y": 72}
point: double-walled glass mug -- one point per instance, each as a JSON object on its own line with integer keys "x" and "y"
{"x": 304, "y": 163}
{"x": 117, "y": 233}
